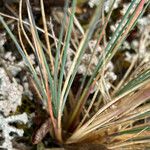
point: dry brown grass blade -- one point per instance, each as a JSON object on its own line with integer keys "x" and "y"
{"x": 23, "y": 47}
{"x": 22, "y": 27}
{"x": 126, "y": 105}
{"x": 130, "y": 117}
{"x": 78, "y": 108}
{"x": 89, "y": 108}
{"x": 101, "y": 135}
{"x": 122, "y": 145}
{"x": 46, "y": 36}
{"x": 39, "y": 53}
{"x": 126, "y": 137}
{"x": 28, "y": 24}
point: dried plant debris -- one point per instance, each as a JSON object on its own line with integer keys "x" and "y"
{"x": 7, "y": 129}
{"x": 86, "y": 147}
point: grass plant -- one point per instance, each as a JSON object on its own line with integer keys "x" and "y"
{"x": 113, "y": 124}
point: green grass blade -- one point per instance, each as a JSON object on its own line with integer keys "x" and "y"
{"x": 135, "y": 83}
{"x": 57, "y": 90}
{"x": 110, "y": 50}
{"x": 83, "y": 47}
{"x": 36, "y": 36}
{"x": 98, "y": 41}
{"x": 134, "y": 130}
{"x": 66, "y": 46}
{"x": 24, "y": 57}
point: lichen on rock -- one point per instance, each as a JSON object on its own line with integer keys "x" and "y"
{"x": 10, "y": 93}
{"x": 10, "y": 99}
{"x": 7, "y": 129}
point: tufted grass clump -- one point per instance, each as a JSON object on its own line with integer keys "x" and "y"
{"x": 91, "y": 113}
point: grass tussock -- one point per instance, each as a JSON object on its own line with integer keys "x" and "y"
{"x": 91, "y": 113}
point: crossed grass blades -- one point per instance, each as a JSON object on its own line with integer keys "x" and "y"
{"x": 113, "y": 124}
